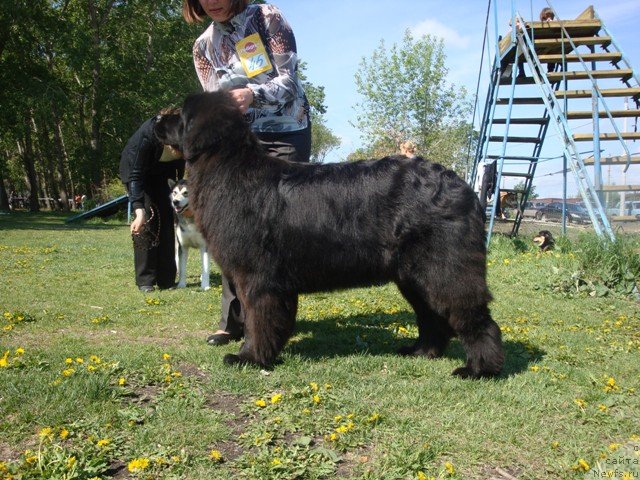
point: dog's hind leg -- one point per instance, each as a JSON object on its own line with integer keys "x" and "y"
{"x": 206, "y": 269}
{"x": 482, "y": 341}
{"x": 434, "y": 332}
{"x": 269, "y": 321}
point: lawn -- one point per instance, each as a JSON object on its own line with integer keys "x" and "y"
{"x": 99, "y": 381}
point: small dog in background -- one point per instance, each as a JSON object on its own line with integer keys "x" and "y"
{"x": 187, "y": 235}
{"x": 544, "y": 240}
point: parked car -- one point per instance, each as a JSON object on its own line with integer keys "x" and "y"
{"x": 631, "y": 207}
{"x": 531, "y": 208}
{"x": 553, "y": 212}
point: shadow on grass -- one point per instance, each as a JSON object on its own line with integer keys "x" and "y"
{"x": 375, "y": 335}
{"x": 54, "y": 221}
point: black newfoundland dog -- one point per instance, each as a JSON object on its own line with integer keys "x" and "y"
{"x": 278, "y": 229}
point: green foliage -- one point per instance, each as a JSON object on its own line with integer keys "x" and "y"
{"x": 407, "y": 97}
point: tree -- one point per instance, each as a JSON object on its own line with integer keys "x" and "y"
{"x": 407, "y": 97}
{"x": 532, "y": 193}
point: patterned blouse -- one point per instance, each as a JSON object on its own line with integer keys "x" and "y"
{"x": 279, "y": 102}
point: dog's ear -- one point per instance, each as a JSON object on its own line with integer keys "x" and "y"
{"x": 171, "y": 183}
{"x": 211, "y": 120}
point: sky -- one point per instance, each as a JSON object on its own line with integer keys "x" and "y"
{"x": 333, "y": 36}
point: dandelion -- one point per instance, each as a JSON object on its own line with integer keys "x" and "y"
{"x": 19, "y": 351}
{"x": 276, "y": 398}
{"x": 374, "y": 417}
{"x": 276, "y": 461}
{"x": 64, "y": 433}
{"x": 260, "y": 403}
{"x": 555, "y": 445}
{"x": 79, "y": 360}
{"x": 68, "y": 361}
{"x": 314, "y": 386}
{"x": 603, "y": 408}
{"x": 582, "y": 466}
{"x": 316, "y": 399}
{"x": 611, "y": 385}
{"x": 45, "y": 433}
{"x": 534, "y": 368}
{"x": 580, "y": 402}
{"x": 327, "y": 386}
{"x": 448, "y": 466}
{"x": 122, "y": 381}
{"x": 337, "y": 418}
{"x": 105, "y": 442}
{"x": 4, "y": 361}
{"x": 166, "y": 356}
{"x": 71, "y": 461}
{"x": 138, "y": 465}
{"x": 506, "y": 261}
{"x": 30, "y": 458}
{"x": 614, "y": 446}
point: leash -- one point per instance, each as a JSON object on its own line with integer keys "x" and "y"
{"x": 146, "y": 238}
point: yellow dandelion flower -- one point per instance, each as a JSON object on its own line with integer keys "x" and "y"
{"x": 46, "y": 432}
{"x": 3, "y": 467}
{"x": 403, "y": 330}
{"x": 327, "y": 386}
{"x": 333, "y": 437}
{"x": 68, "y": 360}
{"x": 71, "y": 461}
{"x": 337, "y": 418}
{"x": 603, "y": 408}
{"x": 614, "y": 446}
{"x": 316, "y": 399}
{"x": 122, "y": 381}
{"x": 448, "y": 466}
{"x": 342, "y": 429}
{"x": 64, "y": 433}
{"x": 105, "y": 442}
{"x": 534, "y": 368}
{"x": 91, "y": 368}
{"x": 314, "y": 386}
{"x": 177, "y": 459}
{"x": 276, "y": 398}
{"x": 611, "y": 385}
{"x": 166, "y": 356}
{"x": 260, "y": 403}
{"x": 306, "y": 411}
{"x": 374, "y": 417}
{"x": 79, "y": 360}
{"x": 19, "y": 351}
{"x": 31, "y": 459}
{"x": 580, "y": 402}
{"x": 95, "y": 359}
{"x": 138, "y": 464}
{"x": 276, "y": 461}
{"x": 506, "y": 261}
{"x": 4, "y": 361}
{"x": 555, "y": 445}
{"x": 582, "y": 466}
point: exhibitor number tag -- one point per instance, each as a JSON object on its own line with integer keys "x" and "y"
{"x": 253, "y": 55}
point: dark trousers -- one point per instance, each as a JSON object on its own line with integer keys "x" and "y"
{"x": 157, "y": 265}
{"x": 294, "y": 146}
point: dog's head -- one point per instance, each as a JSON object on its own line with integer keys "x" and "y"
{"x": 179, "y": 195}
{"x": 210, "y": 122}
{"x": 544, "y": 240}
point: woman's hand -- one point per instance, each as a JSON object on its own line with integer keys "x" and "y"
{"x": 244, "y": 98}
{"x": 136, "y": 225}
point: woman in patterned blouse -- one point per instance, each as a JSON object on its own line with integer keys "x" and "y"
{"x": 250, "y": 50}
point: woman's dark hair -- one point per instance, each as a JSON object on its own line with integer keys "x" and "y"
{"x": 193, "y": 12}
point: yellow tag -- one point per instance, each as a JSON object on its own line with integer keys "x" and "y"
{"x": 253, "y": 55}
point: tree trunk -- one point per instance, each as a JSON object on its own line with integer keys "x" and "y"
{"x": 4, "y": 198}
{"x": 30, "y": 168}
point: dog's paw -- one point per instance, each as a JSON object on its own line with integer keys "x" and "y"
{"x": 231, "y": 359}
{"x": 462, "y": 372}
{"x": 205, "y": 287}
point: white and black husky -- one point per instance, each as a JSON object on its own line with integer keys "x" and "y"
{"x": 187, "y": 235}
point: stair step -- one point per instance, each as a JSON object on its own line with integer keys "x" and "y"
{"x": 497, "y": 138}
{"x": 512, "y": 157}
{"x": 614, "y": 57}
{"x": 625, "y": 218}
{"x": 607, "y": 92}
{"x": 516, "y": 174}
{"x": 620, "y": 188}
{"x": 521, "y": 121}
{"x": 521, "y": 101}
{"x": 584, "y": 137}
{"x": 580, "y": 115}
{"x": 553, "y": 42}
{"x": 623, "y": 73}
{"x": 519, "y": 81}
{"x": 616, "y": 160}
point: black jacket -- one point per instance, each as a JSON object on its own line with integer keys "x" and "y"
{"x": 139, "y": 162}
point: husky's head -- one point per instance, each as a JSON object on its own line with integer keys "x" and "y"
{"x": 179, "y": 195}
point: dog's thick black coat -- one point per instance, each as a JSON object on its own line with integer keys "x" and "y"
{"x": 278, "y": 228}
{"x": 544, "y": 240}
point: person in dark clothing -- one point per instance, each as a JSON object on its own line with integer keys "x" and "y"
{"x": 146, "y": 165}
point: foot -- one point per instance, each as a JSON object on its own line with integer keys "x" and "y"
{"x": 221, "y": 338}
{"x": 146, "y": 288}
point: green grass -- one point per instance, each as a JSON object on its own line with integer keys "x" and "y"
{"x": 100, "y": 381}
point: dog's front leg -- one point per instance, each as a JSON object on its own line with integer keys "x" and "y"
{"x": 183, "y": 255}
{"x": 206, "y": 271}
{"x": 269, "y": 320}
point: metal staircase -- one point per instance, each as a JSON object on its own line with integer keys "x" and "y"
{"x": 569, "y": 76}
